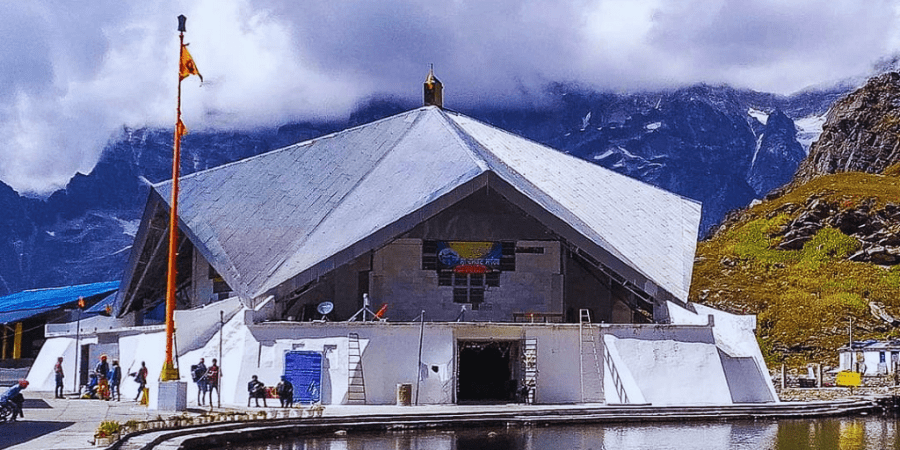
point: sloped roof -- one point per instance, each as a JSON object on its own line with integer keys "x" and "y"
{"x": 25, "y": 304}
{"x": 265, "y": 219}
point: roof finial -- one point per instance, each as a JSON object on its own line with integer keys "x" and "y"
{"x": 434, "y": 94}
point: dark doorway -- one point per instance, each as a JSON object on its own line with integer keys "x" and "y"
{"x": 488, "y": 371}
{"x": 84, "y": 366}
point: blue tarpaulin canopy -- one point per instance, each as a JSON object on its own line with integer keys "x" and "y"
{"x": 22, "y": 305}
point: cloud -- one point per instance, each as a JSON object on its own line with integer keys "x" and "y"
{"x": 72, "y": 75}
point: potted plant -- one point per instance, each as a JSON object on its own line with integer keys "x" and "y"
{"x": 131, "y": 426}
{"x": 107, "y": 433}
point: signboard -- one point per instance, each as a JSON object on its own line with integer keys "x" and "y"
{"x": 468, "y": 256}
{"x": 846, "y": 378}
{"x": 304, "y": 370}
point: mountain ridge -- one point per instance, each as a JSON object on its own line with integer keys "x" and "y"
{"x": 697, "y": 141}
{"x": 824, "y": 249}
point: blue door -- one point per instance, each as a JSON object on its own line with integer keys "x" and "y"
{"x": 304, "y": 371}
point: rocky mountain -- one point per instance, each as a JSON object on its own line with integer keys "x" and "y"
{"x": 84, "y": 232}
{"x": 806, "y": 262}
{"x": 861, "y": 133}
{"x": 721, "y": 146}
{"x": 826, "y": 248}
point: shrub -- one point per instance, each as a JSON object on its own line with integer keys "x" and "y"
{"x": 108, "y": 428}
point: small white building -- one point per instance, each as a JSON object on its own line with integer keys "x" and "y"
{"x": 535, "y": 272}
{"x": 871, "y": 357}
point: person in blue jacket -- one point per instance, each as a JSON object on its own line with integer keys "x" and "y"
{"x": 14, "y": 397}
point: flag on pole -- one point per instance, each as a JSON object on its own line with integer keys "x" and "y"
{"x": 187, "y": 67}
{"x": 180, "y": 129}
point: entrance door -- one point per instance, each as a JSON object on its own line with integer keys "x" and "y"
{"x": 84, "y": 366}
{"x": 488, "y": 371}
{"x": 304, "y": 371}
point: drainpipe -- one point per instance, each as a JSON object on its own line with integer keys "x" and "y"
{"x": 419, "y": 366}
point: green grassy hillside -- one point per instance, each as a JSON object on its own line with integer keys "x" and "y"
{"x": 803, "y": 298}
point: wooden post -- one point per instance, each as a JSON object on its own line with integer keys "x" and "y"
{"x": 782, "y": 377}
{"x": 17, "y": 342}
{"x": 819, "y": 382}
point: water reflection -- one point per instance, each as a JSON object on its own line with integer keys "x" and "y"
{"x": 845, "y": 433}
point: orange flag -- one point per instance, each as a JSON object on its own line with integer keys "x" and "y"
{"x": 180, "y": 129}
{"x": 187, "y": 67}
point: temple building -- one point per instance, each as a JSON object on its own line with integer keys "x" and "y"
{"x": 432, "y": 250}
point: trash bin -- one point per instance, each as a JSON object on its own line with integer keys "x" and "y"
{"x": 404, "y": 394}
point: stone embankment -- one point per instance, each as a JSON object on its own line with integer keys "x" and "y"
{"x": 835, "y": 393}
{"x": 71, "y": 424}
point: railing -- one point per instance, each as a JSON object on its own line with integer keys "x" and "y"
{"x": 617, "y": 380}
{"x": 537, "y": 317}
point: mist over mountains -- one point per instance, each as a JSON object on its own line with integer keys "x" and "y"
{"x": 721, "y": 146}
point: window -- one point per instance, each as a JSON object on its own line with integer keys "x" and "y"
{"x": 508, "y": 256}
{"x": 429, "y": 255}
{"x": 468, "y": 288}
{"x": 221, "y": 290}
{"x": 469, "y": 276}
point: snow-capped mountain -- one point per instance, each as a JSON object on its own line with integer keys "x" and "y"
{"x": 721, "y": 146}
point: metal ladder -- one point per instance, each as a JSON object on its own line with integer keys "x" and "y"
{"x": 590, "y": 361}
{"x": 531, "y": 371}
{"x": 617, "y": 381}
{"x": 356, "y": 383}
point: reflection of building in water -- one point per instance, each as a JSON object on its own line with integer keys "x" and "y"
{"x": 542, "y": 277}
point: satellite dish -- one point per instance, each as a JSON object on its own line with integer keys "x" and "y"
{"x": 325, "y": 308}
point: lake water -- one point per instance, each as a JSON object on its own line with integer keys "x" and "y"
{"x": 843, "y": 433}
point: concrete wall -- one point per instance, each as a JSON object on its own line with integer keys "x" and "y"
{"x": 870, "y": 357}
{"x": 671, "y": 365}
{"x": 201, "y": 284}
{"x": 41, "y": 376}
{"x": 397, "y": 279}
{"x": 658, "y": 364}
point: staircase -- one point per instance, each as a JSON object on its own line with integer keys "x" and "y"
{"x": 356, "y": 383}
{"x": 530, "y": 369}
{"x": 590, "y": 361}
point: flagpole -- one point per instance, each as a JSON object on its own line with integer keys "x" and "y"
{"x": 169, "y": 371}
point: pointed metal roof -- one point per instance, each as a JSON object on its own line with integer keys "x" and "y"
{"x": 310, "y": 207}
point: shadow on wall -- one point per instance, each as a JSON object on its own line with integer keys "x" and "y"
{"x": 744, "y": 379}
{"x": 326, "y": 379}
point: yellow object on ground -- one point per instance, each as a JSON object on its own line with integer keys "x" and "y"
{"x": 145, "y": 397}
{"x": 847, "y": 378}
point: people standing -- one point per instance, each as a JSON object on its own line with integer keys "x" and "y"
{"x": 59, "y": 375}
{"x": 212, "y": 379}
{"x": 141, "y": 378}
{"x": 256, "y": 390}
{"x": 285, "y": 391}
{"x": 102, "y": 371}
{"x": 102, "y": 368}
{"x": 198, "y": 374}
{"x": 115, "y": 380}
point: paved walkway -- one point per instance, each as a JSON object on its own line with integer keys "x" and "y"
{"x": 70, "y": 424}
{"x": 52, "y": 423}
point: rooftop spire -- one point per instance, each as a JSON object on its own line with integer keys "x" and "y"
{"x": 434, "y": 90}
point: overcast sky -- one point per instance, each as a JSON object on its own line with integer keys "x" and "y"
{"x": 72, "y": 74}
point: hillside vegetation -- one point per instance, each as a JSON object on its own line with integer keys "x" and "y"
{"x": 804, "y": 293}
